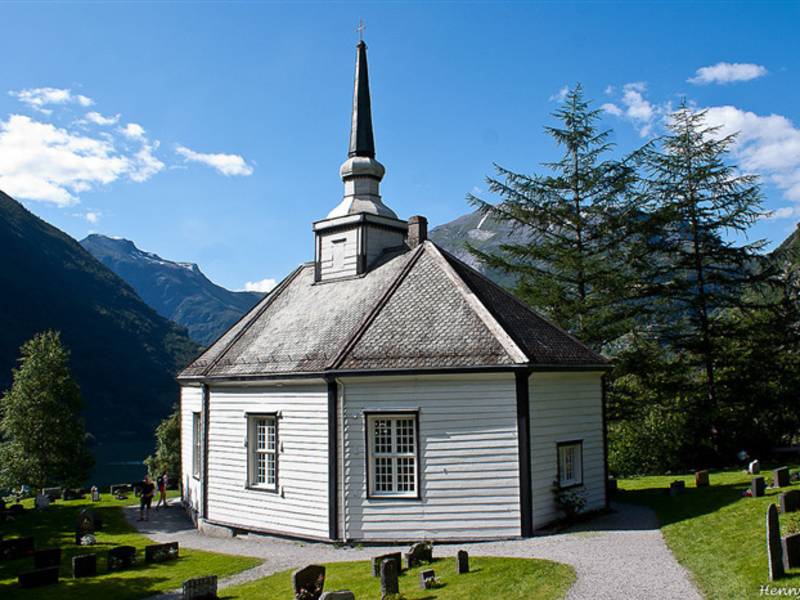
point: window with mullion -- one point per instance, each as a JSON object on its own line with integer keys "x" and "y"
{"x": 263, "y": 451}
{"x": 393, "y": 455}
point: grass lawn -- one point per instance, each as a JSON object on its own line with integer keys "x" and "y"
{"x": 55, "y": 527}
{"x": 715, "y": 532}
{"x": 506, "y": 578}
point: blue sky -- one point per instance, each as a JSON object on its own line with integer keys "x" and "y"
{"x": 234, "y": 118}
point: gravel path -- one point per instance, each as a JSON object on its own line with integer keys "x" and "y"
{"x": 621, "y": 555}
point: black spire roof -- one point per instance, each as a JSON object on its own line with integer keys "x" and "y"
{"x": 361, "y": 140}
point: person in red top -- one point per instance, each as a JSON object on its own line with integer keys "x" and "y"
{"x": 162, "y": 489}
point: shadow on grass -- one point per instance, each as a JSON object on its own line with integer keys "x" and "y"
{"x": 693, "y": 503}
{"x": 106, "y": 586}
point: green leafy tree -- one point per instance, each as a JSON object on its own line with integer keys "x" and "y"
{"x": 167, "y": 456}
{"x": 570, "y": 263}
{"x": 697, "y": 206}
{"x": 44, "y": 441}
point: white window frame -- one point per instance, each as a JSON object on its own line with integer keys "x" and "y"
{"x": 267, "y": 447}
{"x": 570, "y": 463}
{"x": 393, "y": 455}
{"x": 197, "y": 444}
{"x": 338, "y": 249}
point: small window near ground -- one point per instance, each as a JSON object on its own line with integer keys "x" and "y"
{"x": 262, "y": 444}
{"x": 392, "y": 456}
{"x": 197, "y": 440}
{"x": 570, "y": 464}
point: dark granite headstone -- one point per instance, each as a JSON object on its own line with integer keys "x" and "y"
{"x": 38, "y": 578}
{"x": 16, "y": 548}
{"x": 121, "y": 557}
{"x": 377, "y": 560}
{"x": 42, "y": 559}
{"x": 161, "y": 552}
{"x": 84, "y": 565}
{"x": 677, "y": 487}
{"x": 389, "y": 578}
{"x": 68, "y": 494}
{"x": 701, "y": 478}
{"x": 200, "y": 588}
{"x": 612, "y": 485}
{"x": 790, "y": 545}
{"x": 426, "y": 579}
{"x": 790, "y": 501}
{"x": 774, "y": 549}
{"x": 419, "y": 553}
{"x": 340, "y": 595}
{"x": 757, "y": 487}
{"x": 54, "y": 493}
{"x": 308, "y": 582}
{"x": 754, "y": 468}
{"x": 780, "y": 477}
{"x": 462, "y": 562}
{"x": 120, "y": 489}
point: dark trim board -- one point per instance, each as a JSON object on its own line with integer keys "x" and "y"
{"x": 604, "y": 386}
{"x": 249, "y": 484}
{"x": 205, "y": 423}
{"x": 333, "y": 460}
{"x": 418, "y": 452}
{"x": 524, "y": 453}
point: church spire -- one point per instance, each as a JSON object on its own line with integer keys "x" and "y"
{"x": 362, "y": 142}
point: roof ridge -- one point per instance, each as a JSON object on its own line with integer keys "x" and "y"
{"x": 534, "y": 312}
{"x": 373, "y": 314}
{"x": 270, "y": 299}
{"x": 512, "y": 347}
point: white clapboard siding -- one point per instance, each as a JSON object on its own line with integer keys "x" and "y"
{"x": 348, "y": 242}
{"x": 468, "y": 449}
{"x": 565, "y": 407}
{"x": 191, "y": 402}
{"x": 302, "y": 508}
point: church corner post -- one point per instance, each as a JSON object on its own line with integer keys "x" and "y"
{"x": 522, "y": 377}
{"x": 604, "y": 390}
{"x": 333, "y": 458}
{"x": 205, "y": 407}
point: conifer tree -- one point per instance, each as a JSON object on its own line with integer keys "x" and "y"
{"x": 44, "y": 442}
{"x": 570, "y": 263}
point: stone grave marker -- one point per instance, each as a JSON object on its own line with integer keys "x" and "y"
{"x": 41, "y": 502}
{"x": 612, "y": 485}
{"x": 790, "y": 546}
{"x": 419, "y": 553}
{"x": 68, "y": 494}
{"x": 757, "y": 487}
{"x": 677, "y": 487}
{"x": 42, "y": 559}
{"x": 16, "y": 548}
{"x": 308, "y": 582}
{"x": 121, "y": 557}
{"x": 85, "y": 526}
{"x": 377, "y": 560}
{"x": 38, "y": 577}
{"x": 462, "y": 562}
{"x": 95, "y": 494}
{"x": 754, "y": 468}
{"x": 54, "y": 493}
{"x": 340, "y": 595}
{"x": 161, "y": 552}
{"x": 701, "y": 478}
{"x": 390, "y": 583}
{"x": 774, "y": 548}
{"x": 790, "y": 501}
{"x": 84, "y": 565}
{"x": 427, "y": 579}
{"x": 200, "y": 588}
{"x": 780, "y": 477}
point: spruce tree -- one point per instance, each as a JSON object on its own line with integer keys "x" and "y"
{"x": 44, "y": 442}
{"x": 569, "y": 264}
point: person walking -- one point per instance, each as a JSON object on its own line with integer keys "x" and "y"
{"x": 162, "y": 490}
{"x": 146, "y": 498}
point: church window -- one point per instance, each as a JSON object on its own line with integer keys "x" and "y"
{"x": 570, "y": 467}
{"x": 262, "y": 444}
{"x": 197, "y": 441}
{"x": 393, "y": 455}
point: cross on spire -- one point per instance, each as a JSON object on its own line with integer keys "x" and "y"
{"x": 360, "y": 29}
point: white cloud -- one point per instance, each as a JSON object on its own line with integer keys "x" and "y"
{"x": 133, "y": 131}
{"x": 92, "y": 216}
{"x": 559, "y": 95}
{"x": 38, "y": 98}
{"x": 724, "y": 72}
{"x": 634, "y": 107}
{"x": 265, "y": 285}
{"x": 612, "y": 109}
{"x": 227, "y": 164}
{"x": 98, "y": 119}
{"x": 785, "y": 212}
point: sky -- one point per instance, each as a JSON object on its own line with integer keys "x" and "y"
{"x": 213, "y": 132}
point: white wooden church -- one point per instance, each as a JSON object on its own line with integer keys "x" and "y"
{"x": 386, "y": 391}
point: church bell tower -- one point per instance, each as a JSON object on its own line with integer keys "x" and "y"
{"x": 356, "y": 233}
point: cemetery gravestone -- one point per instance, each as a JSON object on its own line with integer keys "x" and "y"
{"x": 757, "y": 487}
{"x": 780, "y": 477}
{"x": 390, "y": 583}
{"x": 68, "y": 494}
{"x": 340, "y": 595}
{"x": 308, "y": 582}
{"x": 84, "y": 565}
{"x": 426, "y": 579}
{"x": 38, "y": 578}
{"x": 677, "y": 487}
{"x": 95, "y": 494}
{"x": 85, "y": 526}
{"x": 121, "y": 557}
{"x": 43, "y": 559}
{"x": 200, "y": 588}
{"x": 41, "y": 502}
{"x": 790, "y": 501}
{"x": 701, "y": 478}
{"x": 16, "y": 548}
{"x": 419, "y": 553}
{"x": 54, "y": 493}
{"x": 754, "y": 468}
{"x": 462, "y": 562}
{"x": 790, "y": 546}
{"x": 774, "y": 548}
{"x": 161, "y": 552}
{"x": 376, "y": 562}
{"x": 612, "y": 485}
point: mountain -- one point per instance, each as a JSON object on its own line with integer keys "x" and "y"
{"x": 178, "y": 291}
{"x": 485, "y": 234}
{"x": 124, "y": 355}
{"x": 790, "y": 247}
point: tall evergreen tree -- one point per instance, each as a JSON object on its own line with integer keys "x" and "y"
{"x": 44, "y": 442}
{"x": 569, "y": 264}
{"x": 697, "y": 205}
